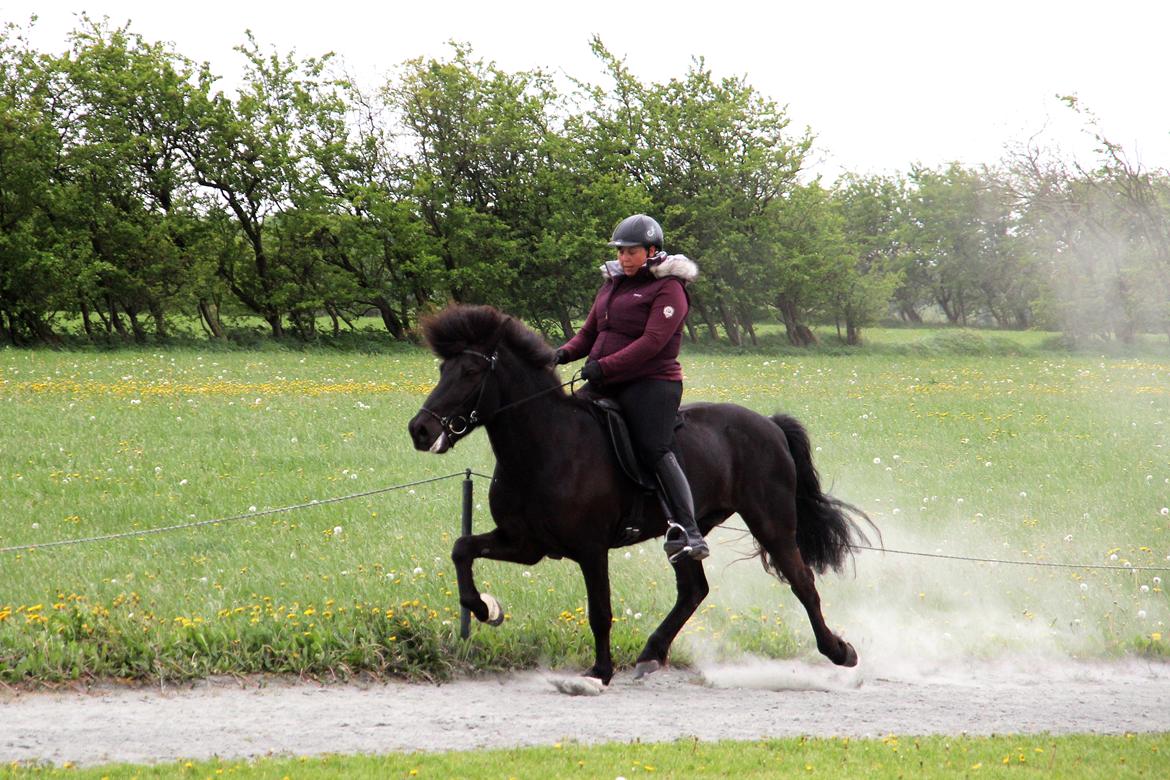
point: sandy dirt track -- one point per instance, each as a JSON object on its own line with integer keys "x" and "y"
{"x": 232, "y": 719}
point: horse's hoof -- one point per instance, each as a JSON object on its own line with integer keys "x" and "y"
{"x": 495, "y": 611}
{"x": 850, "y": 658}
{"x": 579, "y": 686}
{"x": 644, "y": 668}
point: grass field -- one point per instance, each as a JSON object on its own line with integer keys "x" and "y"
{"x": 892, "y": 757}
{"x": 954, "y": 442}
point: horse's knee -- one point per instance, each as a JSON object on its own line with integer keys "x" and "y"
{"x": 461, "y": 551}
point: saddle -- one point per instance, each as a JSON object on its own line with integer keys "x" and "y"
{"x": 630, "y": 530}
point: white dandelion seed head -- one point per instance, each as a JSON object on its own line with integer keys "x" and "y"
{"x": 418, "y": 570}
{"x": 1141, "y": 614}
{"x": 1145, "y": 588}
{"x": 182, "y": 482}
{"x": 1084, "y": 587}
{"x": 36, "y": 526}
{"x": 1157, "y": 580}
{"x": 1068, "y": 537}
{"x": 628, "y": 555}
{"x": 877, "y": 461}
{"x": 1113, "y": 557}
{"x": 1164, "y": 511}
{"x": 252, "y": 508}
{"x": 338, "y": 530}
{"x": 1023, "y": 494}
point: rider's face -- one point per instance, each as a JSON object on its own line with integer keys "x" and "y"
{"x": 632, "y": 258}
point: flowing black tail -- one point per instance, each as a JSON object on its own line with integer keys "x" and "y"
{"x": 827, "y": 528}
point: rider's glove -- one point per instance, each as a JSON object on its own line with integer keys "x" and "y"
{"x": 592, "y": 371}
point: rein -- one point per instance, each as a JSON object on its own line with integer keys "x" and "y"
{"x": 466, "y": 423}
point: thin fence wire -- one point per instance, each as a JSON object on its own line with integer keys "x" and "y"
{"x": 229, "y": 519}
{"x": 1008, "y": 562}
{"x": 469, "y": 473}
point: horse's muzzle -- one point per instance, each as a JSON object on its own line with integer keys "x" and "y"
{"x": 428, "y": 435}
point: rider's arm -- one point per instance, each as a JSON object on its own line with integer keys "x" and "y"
{"x": 579, "y": 346}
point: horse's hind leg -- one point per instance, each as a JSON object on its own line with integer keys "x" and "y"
{"x": 691, "y": 583}
{"x": 778, "y": 537}
{"x": 493, "y": 545}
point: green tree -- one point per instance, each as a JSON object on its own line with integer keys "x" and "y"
{"x": 718, "y": 166}
{"x": 251, "y": 151}
{"x": 36, "y": 259}
{"x": 874, "y": 212}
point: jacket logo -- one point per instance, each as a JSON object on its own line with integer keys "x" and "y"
{"x": 637, "y": 295}
{"x": 668, "y": 312}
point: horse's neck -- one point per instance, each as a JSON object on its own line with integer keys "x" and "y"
{"x": 525, "y": 434}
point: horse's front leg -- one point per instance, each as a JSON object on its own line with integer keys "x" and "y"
{"x": 595, "y": 568}
{"x": 498, "y": 547}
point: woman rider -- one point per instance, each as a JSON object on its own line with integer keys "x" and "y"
{"x": 632, "y": 337}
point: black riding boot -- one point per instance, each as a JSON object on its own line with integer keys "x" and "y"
{"x": 682, "y": 534}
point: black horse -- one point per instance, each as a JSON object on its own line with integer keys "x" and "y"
{"x": 559, "y": 492}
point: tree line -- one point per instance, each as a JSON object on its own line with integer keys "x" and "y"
{"x": 133, "y": 188}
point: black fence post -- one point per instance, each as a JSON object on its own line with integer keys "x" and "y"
{"x": 468, "y": 489}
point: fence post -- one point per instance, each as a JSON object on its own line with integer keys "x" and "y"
{"x": 464, "y": 614}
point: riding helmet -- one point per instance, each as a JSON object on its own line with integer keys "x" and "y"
{"x": 638, "y": 230}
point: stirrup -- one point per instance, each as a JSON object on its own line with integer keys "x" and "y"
{"x": 682, "y": 545}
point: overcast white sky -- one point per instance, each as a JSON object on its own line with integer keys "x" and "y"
{"x": 881, "y": 84}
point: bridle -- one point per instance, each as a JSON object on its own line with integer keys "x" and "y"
{"x": 457, "y": 426}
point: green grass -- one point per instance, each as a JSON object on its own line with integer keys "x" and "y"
{"x": 1106, "y": 757}
{"x": 970, "y": 447}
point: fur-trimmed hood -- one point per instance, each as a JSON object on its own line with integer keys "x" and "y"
{"x": 661, "y": 265}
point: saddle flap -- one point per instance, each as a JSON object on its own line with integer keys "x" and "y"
{"x": 623, "y": 448}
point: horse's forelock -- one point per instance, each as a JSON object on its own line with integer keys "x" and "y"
{"x": 458, "y": 328}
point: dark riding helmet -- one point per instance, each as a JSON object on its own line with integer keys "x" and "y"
{"x": 638, "y": 230}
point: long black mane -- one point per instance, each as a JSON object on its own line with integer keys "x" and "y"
{"x": 482, "y": 328}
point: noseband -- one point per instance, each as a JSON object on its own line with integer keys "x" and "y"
{"x": 458, "y": 425}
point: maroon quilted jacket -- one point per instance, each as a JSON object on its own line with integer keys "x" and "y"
{"x": 635, "y": 326}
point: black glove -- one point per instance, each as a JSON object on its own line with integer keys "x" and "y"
{"x": 561, "y": 358}
{"x": 592, "y": 372}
